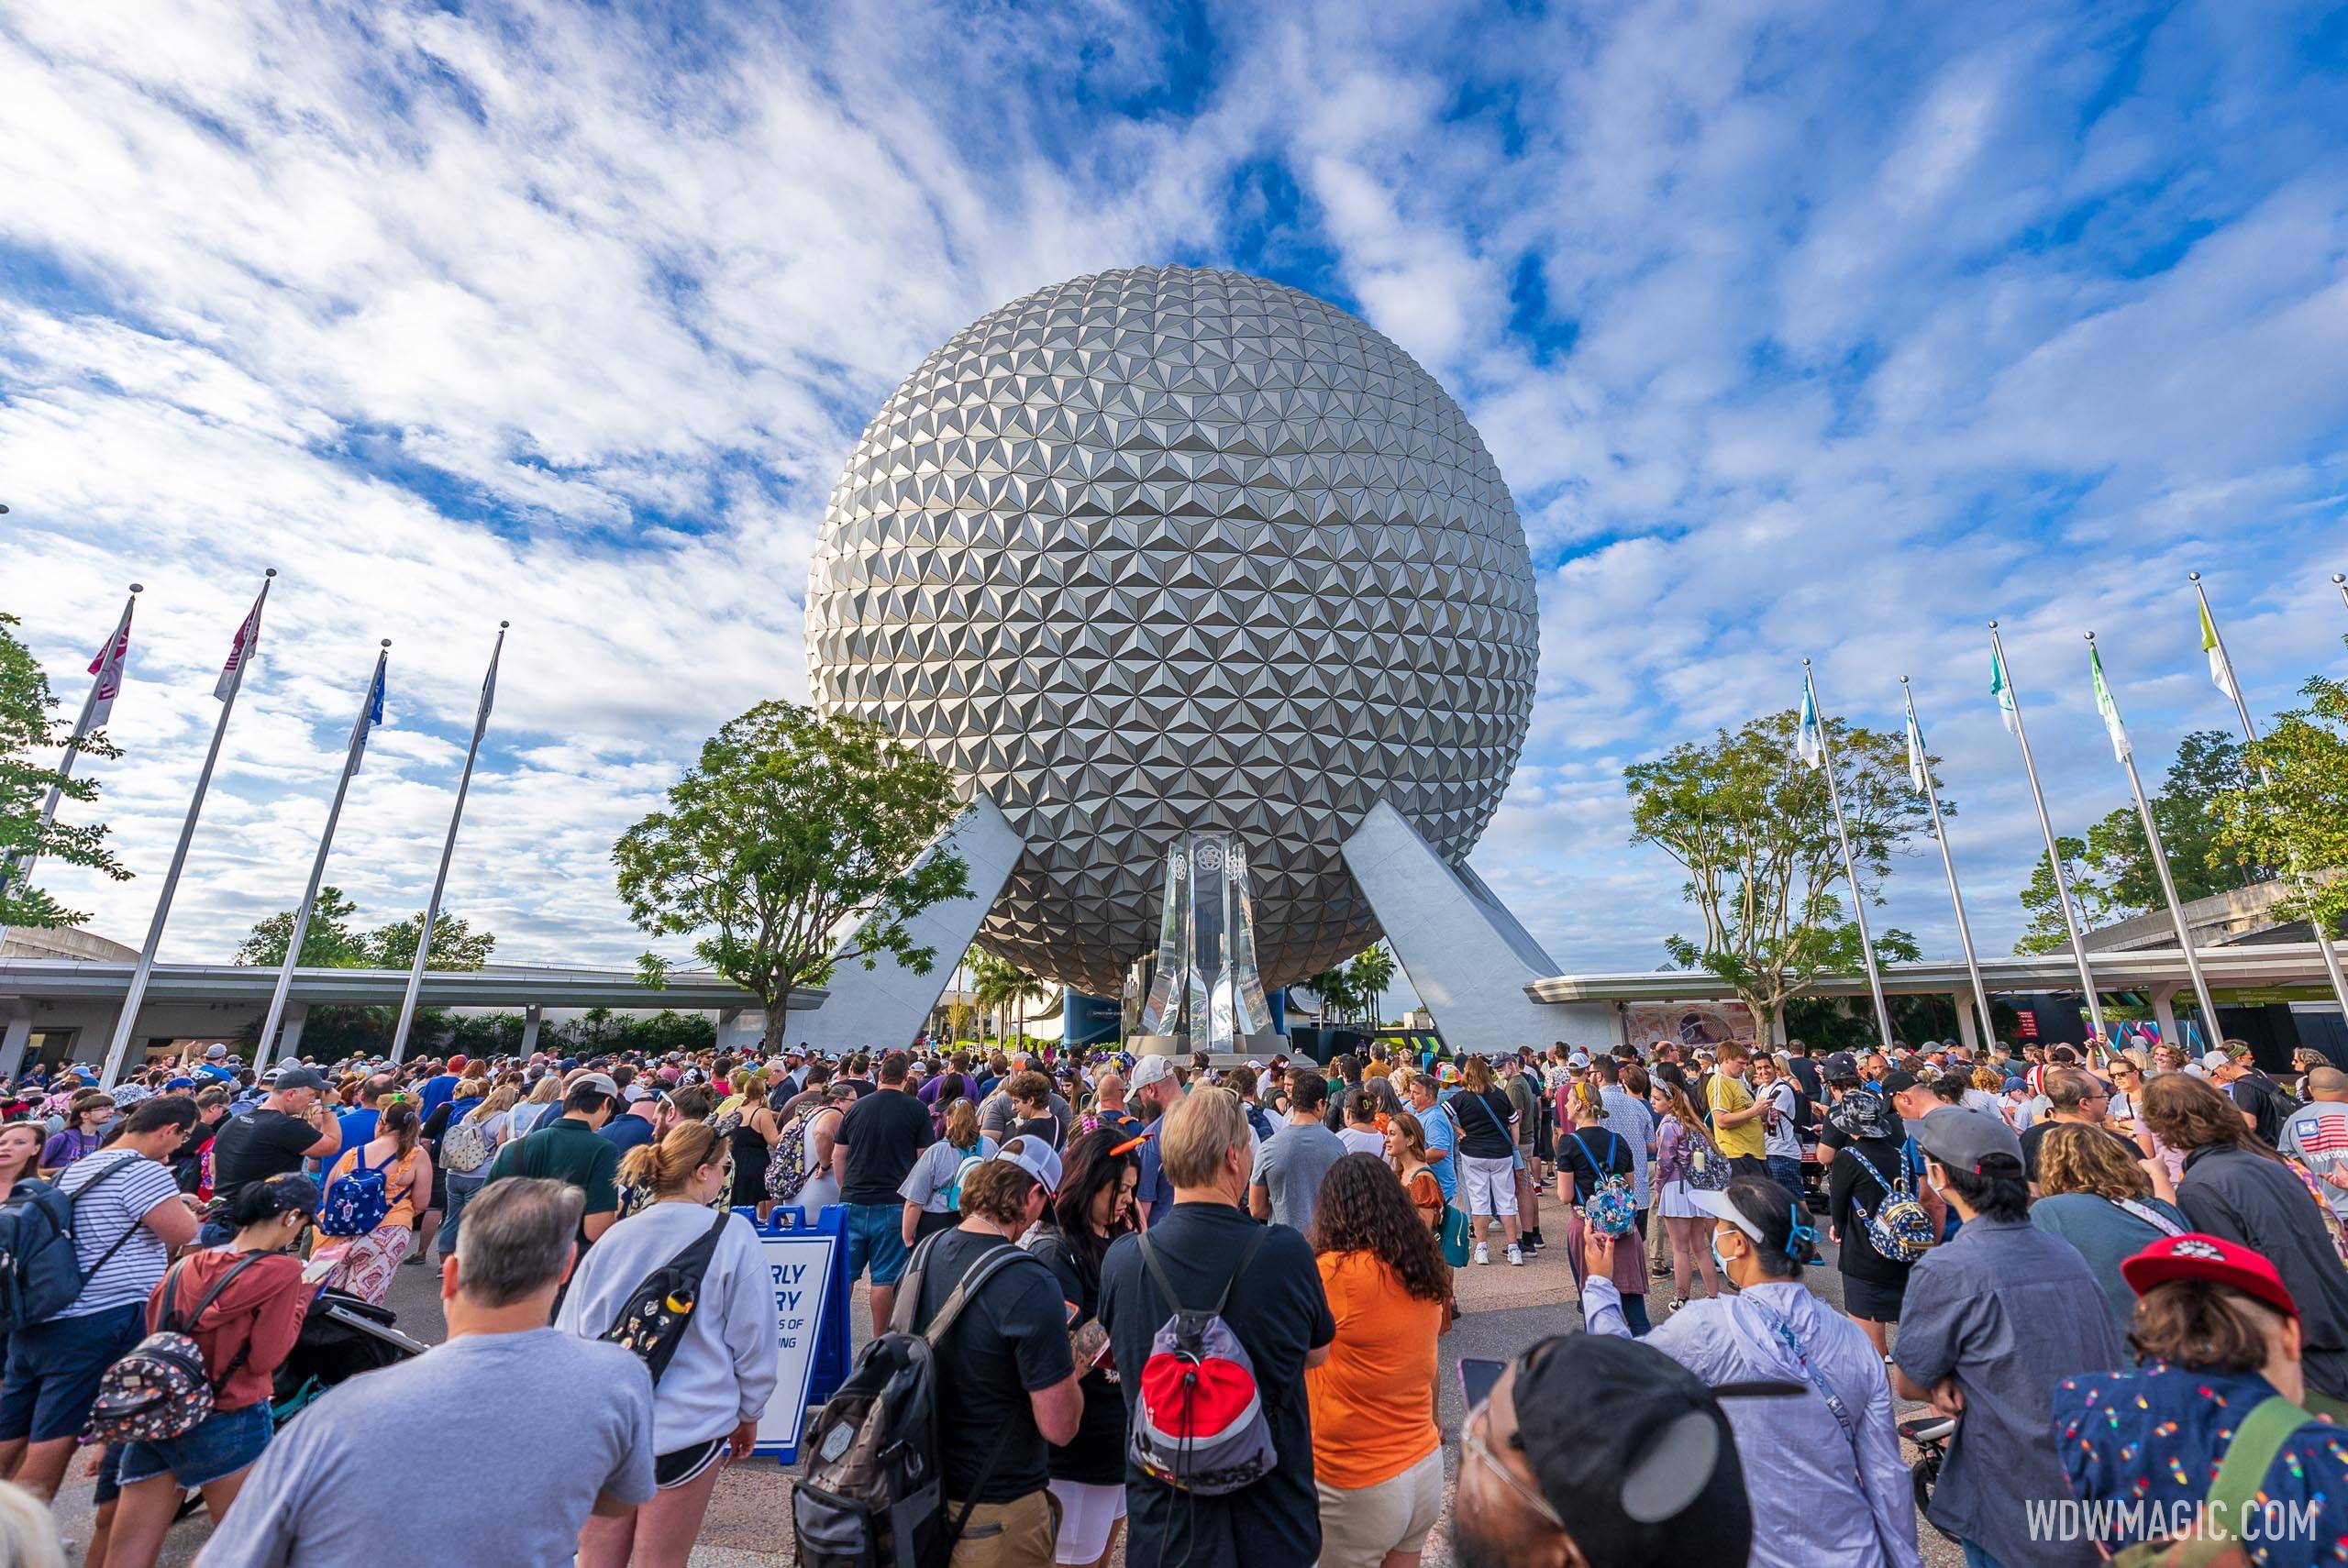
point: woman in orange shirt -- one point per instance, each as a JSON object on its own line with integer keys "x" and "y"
{"x": 1376, "y": 1451}
{"x": 1406, "y": 1150}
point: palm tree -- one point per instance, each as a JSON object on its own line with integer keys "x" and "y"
{"x": 1370, "y": 973}
{"x": 1001, "y": 984}
{"x": 1338, "y": 993}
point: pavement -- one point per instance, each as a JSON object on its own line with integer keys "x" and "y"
{"x": 749, "y": 1525}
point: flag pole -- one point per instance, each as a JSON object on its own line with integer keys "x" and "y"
{"x": 319, "y": 865}
{"x": 2054, "y": 855}
{"x": 1948, "y": 864}
{"x": 2250, "y": 736}
{"x": 2168, "y": 889}
{"x": 1850, "y": 869}
{"x": 448, "y": 849}
{"x": 144, "y": 971}
{"x": 19, "y": 867}
{"x": 2340, "y": 581}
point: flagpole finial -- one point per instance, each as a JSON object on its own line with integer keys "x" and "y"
{"x": 503, "y": 625}
{"x": 2338, "y": 578}
{"x": 2090, "y": 636}
{"x": 1903, "y": 680}
{"x": 387, "y": 642}
{"x": 137, "y": 588}
{"x": 2193, "y": 577}
{"x": 1805, "y": 664}
{"x": 1993, "y": 626}
{"x": 268, "y": 571}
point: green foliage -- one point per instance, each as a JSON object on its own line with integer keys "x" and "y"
{"x": 1753, "y": 827}
{"x": 1341, "y": 998}
{"x": 791, "y": 828}
{"x": 999, "y": 986}
{"x": 2297, "y": 817}
{"x": 332, "y": 942}
{"x": 1371, "y": 971}
{"x": 25, "y": 728}
{"x": 2111, "y": 872}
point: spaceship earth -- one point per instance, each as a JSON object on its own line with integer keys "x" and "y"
{"x": 1167, "y": 549}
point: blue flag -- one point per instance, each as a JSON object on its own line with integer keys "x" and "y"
{"x": 371, "y": 717}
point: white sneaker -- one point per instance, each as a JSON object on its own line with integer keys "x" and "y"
{"x": 1515, "y": 1256}
{"x": 1483, "y": 1254}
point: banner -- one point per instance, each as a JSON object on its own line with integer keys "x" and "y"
{"x": 1649, "y": 1024}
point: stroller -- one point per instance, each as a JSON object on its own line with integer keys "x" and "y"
{"x": 341, "y": 1337}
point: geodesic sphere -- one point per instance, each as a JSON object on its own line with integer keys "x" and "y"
{"x": 1167, "y": 549}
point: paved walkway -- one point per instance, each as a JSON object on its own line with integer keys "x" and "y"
{"x": 749, "y": 1525}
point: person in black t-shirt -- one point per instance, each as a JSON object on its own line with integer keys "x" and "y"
{"x": 2073, "y": 1095}
{"x": 2263, "y": 1101}
{"x": 1278, "y": 1311}
{"x": 879, "y": 1138}
{"x": 1093, "y": 1207}
{"x": 288, "y": 1127}
{"x": 1006, "y": 1381}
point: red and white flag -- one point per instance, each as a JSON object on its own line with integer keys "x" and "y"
{"x": 239, "y": 654}
{"x": 108, "y": 667}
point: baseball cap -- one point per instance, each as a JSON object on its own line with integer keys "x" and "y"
{"x": 1035, "y": 1157}
{"x": 1152, "y": 1070}
{"x": 1579, "y": 1059}
{"x": 637, "y": 1094}
{"x": 1632, "y": 1452}
{"x": 1967, "y": 1141}
{"x": 1896, "y": 1083}
{"x": 598, "y": 1081}
{"x": 298, "y": 1078}
{"x": 1449, "y": 1073}
{"x": 1840, "y": 1064}
{"x": 2013, "y": 1084}
{"x": 2215, "y": 1058}
{"x": 214, "y": 1053}
{"x": 2193, "y": 1256}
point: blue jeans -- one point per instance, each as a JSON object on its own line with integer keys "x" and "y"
{"x": 875, "y": 1236}
{"x": 456, "y": 1190}
{"x": 1977, "y": 1558}
{"x": 1634, "y": 1315}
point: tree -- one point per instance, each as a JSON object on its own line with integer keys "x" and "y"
{"x": 328, "y": 942}
{"x": 791, "y": 827}
{"x": 1371, "y": 971}
{"x": 2111, "y": 871}
{"x": 455, "y": 946}
{"x": 1340, "y": 996}
{"x": 1753, "y": 828}
{"x": 25, "y": 728}
{"x": 2297, "y": 817}
{"x": 1001, "y": 985}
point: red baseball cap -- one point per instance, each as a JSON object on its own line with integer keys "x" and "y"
{"x": 2197, "y": 1256}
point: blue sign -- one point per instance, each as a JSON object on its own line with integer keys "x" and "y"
{"x": 804, "y": 1267}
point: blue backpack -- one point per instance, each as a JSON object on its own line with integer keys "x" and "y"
{"x": 356, "y": 1201}
{"x": 40, "y": 1266}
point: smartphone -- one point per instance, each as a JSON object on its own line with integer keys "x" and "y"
{"x": 1478, "y": 1378}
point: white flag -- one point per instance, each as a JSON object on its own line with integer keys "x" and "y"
{"x": 109, "y": 667}
{"x": 241, "y": 653}
{"x": 2003, "y": 690}
{"x": 1809, "y": 742}
{"x": 2107, "y": 707}
{"x": 1918, "y": 774}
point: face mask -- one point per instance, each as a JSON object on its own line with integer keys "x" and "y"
{"x": 1718, "y": 1262}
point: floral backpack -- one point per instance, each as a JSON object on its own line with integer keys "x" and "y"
{"x": 1610, "y": 1207}
{"x": 162, "y": 1389}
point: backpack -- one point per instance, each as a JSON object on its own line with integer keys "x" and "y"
{"x": 41, "y": 1269}
{"x": 1900, "y": 1229}
{"x": 1610, "y": 1208}
{"x": 2233, "y": 1497}
{"x": 1260, "y": 1121}
{"x": 1701, "y": 1162}
{"x": 871, "y": 1493}
{"x": 161, "y": 1388}
{"x": 787, "y": 1169}
{"x": 465, "y": 1147}
{"x": 962, "y": 1174}
{"x": 653, "y": 1319}
{"x": 356, "y": 1202}
{"x": 1198, "y": 1416}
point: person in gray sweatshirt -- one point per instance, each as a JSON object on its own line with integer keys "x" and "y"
{"x": 707, "y": 1400}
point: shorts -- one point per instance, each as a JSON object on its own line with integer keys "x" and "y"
{"x": 1017, "y": 1534}
{"x": 1088, "y": 1513}
{"x": 1492, "y": 1185}
{"x": 875, "y": 1236}
{"x": 1875, "y": 1303}
{"x": 1359, "y": 1526}
{"x": 109, "y": 1486}
{"x": 54, "y": 1367}
{"x": 671, "y": 1471}
{"x": 224, "y": 1443}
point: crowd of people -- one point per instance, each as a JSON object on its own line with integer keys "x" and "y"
{"x": 2118, "y": 1274}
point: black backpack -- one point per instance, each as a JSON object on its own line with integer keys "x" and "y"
{"x": 653, "y": 1320}
{"x": 871, "y": 1493}
{"x": 40, "y": 1270}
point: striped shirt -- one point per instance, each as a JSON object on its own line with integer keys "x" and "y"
{"x": 102, "y": 1219}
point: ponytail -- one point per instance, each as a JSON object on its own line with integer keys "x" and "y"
{"x": 666, "y": 1166}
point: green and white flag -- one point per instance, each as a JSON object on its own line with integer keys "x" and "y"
{"x": 2003, "y": 690}
{"x": 1918, "y": 774}
{"x": 2220, "y": 671}
{"x": 1808, "y": 742}
{"x": 2107, "y": 707}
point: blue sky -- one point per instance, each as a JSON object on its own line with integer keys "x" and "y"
{"x": 1796, "y": 328}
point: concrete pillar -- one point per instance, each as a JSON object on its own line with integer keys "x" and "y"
{"x": 289, "y": 1031}
{"x": 727, "y": 1018}
{"x": 531, "y": 1018}
{"x": 17, "y": 1015}
{"x": 1968, "y": 1033}
{"x": 2164, "y": 994}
